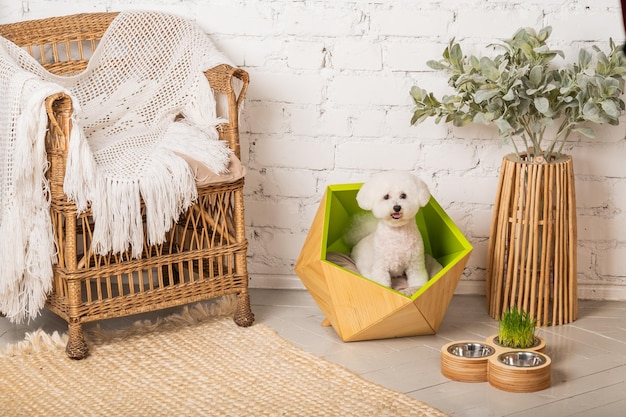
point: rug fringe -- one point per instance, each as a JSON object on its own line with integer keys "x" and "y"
{"x": 37, "y": 341}
{"x": 187, "y": 316}
{"x": 40, "y": 341}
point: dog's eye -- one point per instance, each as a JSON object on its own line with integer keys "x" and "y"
{"x": 403, "y": 196}
{"x": 386, "y": 197}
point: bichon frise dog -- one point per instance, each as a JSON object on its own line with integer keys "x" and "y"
{"x": 394, "y": 247}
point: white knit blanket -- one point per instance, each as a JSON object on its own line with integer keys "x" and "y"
{"x": 141, "y": 103}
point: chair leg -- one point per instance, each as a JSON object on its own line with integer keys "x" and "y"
{"x": 76, "y": 347}
{"x": 243, "y": 314}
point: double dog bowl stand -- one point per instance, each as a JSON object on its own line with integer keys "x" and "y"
{"x": 513, "y": 370}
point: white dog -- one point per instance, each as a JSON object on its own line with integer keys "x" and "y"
{"x": 395, "y": 246}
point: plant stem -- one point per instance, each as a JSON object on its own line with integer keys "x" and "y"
{"x": 563, "y": 142}
{"x": 515, "y": 147}
{"x": 564, "y": 128}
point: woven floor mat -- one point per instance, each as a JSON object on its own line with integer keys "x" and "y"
{"x": 194, "y": 363}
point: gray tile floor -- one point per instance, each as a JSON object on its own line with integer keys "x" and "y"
{"x": 588, "y": 368}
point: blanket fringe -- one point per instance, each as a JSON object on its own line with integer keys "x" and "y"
{"x": 165, "y": 197}
{"x": 80, "y": 170}
{"x": 27, "y": 256}
{"x": 200, "y": 145}
{"x": 116, "y": 211}
{"x": 13, "y": 264}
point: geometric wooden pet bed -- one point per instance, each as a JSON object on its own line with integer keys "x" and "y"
{"x": 361, "y": 309}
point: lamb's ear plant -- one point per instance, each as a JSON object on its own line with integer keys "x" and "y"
{"x": 523, "y": 93}
{"x": 517, "y": 329}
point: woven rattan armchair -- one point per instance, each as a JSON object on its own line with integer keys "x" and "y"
{"x": 204, "y": 255}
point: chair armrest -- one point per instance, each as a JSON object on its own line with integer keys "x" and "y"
{"x": 232, "y": 82}
{"x": 59, "y": 110}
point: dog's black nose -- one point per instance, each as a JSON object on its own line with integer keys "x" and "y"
{"x": 397, "y": 208}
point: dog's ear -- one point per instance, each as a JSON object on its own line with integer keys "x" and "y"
{"x": 423, "y": 194}
{"x": 365, "y": 196}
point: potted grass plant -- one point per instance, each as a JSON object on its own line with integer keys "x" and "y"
{"x": 517, "y": 330}
{"x": 537, "y": 105}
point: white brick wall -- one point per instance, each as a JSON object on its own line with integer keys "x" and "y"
{"x": 329, "y": 103}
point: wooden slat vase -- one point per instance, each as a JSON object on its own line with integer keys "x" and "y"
{"x": 532, "y": 246}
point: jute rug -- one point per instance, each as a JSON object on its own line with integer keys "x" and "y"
{"x": 194, "y": 363}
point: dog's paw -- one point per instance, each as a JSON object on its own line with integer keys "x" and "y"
{"x": 409, "y": 291}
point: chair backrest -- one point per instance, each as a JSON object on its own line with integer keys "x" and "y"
{"x": 64, "y": 44}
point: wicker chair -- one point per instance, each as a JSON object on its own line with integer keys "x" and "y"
{"x": 204, "y": 255}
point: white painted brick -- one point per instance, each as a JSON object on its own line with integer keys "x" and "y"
{"x": 368, "y": 90}
{"x": 401, "y": 21}
{"x": 254, "y": 183}
{"x": 611, "y": 262}
{"x": 262, "y": 53}
{"x": 12, "y": 11}
{"x": 286, "y": 87}
{"x": 271, "y": 214}
{"x": 590, "y": 194}
{"x": 334, "y": 122}
{"x": 482, "y": 131}
{"x": 478, "y": 257}
{"x": 273, "y": 250}
{"x": 284, "y": 245}
{"x": 431, "y": 80}
{"x": 266, "y": 118}
{"x": 302, "y": 154}
{"x": 481, "y": 222}
{"x": 618, "y": 196}
{"x": 274, "y": 269}
{"x": 369, "y": 123}
{"x": 41, "y": 10}
{"x": 357, "y": 55}
{"x": 305, "y": 55}
{"x": 458, "y": 215}
{"x": 450, "y": 156}
{"x": 309, "y": 210}
{"x": 323, "y": 20}
{"x": 343, "y": 176}
{"x": 499, "y": 24}
{"x": 600, "y": 229}
{"x": 376, "y": 156}
{"x": 303, "y": 121}
{"x": 584, "y": 261}
{"x": 289, "y": 183}
{"x": 234, "y": 49}
{"x": 330, "y": 122}
{"x": 466, "y": 189}
{"x": 399, "y": 125}
{"x": 412, "y": 55}
{"x": 235, "y": 18}
{"x": 594, "y": 24}
{"x": 606, "y": 134}
{"x": 599, "y": 160}
{"x": 490, "y": 155}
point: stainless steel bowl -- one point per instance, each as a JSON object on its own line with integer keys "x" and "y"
{"x": 471, "y": 350}
{"x": 522, "y": 359}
